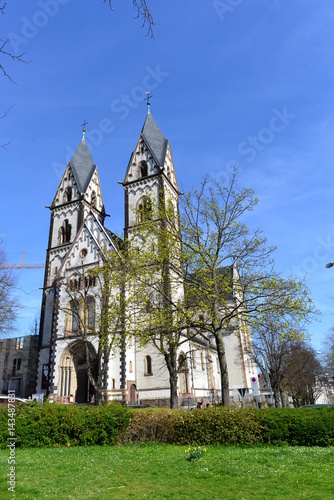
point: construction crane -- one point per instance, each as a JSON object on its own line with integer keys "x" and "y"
{"x": 22, "y": 266}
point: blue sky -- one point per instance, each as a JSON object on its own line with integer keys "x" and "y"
{"x": 232, "y": 81}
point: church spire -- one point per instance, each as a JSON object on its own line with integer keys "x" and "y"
{"x": 84, "y": 129}
{"x": 148, "y": 102}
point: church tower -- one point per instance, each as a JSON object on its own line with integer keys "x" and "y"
{"x": 150, "y": 181}
{"x": 78, "y": 194}
{"x": 150, "y": 174}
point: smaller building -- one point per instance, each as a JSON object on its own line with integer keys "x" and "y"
{"x": 18, "y": 365}
{"x": 266, "y": 393}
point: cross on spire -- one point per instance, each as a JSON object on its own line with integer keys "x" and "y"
{"x": 148, "y": 101}
{"x": 84, "y": 128}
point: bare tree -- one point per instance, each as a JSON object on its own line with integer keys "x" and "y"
{"x": 303, "y": 374}
{"x": 328, "y": 363}
{"x": 9, "y": 304}
{"x": 328, "y": 353}
{"x": 143, "y": 13}
{"x": 5, "y": 52}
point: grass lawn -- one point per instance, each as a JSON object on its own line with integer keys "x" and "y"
{"x": 158, "y": 471}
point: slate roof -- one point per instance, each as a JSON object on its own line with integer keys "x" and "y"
{"x": 154, "y": 139}
{"x": 82, "y": 166}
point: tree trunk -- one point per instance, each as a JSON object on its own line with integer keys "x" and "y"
{"x": 171, "y": 363}
{"x": 98, "y": 397}
{"x": 173, "y": 389}
{"x": 276, "y": 396}
{"x": 223, "y": 369}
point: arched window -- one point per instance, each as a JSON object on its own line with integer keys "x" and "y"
{"x": 91, "y": 313}
{"x": 14, "y": 367}
{"x": 90, "y": 281}
{"x": 194, "y": 359}
{"x": 144, "y": 209}
{"x": 113, "y": 384}
{"x": 75, "y": 283}
{"x": 148, "y": 365}
{"x": 72, "y": 316}
{"x": 64, "y": 233}
{"x": 61, "y": 237}
{"x": 67, "y": 231}
{"x": 130, "y": 367}
{"x": 93, "y": 199}
{"x": 18, "y": 365}
{"x": 143, "y": 169}
{"x": 68, "y": 194}
{"x": 202, "y": 361}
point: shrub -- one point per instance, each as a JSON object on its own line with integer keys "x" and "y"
{"x": 302, "y": 427}
{"x": 305, "y": 427}
{"x": 151, "y": 425}
{"x": 52, "y": 424}
{"x": 218, "y": 426}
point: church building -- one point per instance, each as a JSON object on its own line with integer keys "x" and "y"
{"x": 78, "y": 239}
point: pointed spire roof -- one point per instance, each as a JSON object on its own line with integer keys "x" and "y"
{"x": 82, "y": 166}
{"x": 154, "y": 139}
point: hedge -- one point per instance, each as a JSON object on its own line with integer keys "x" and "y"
{"x": 47, "y": 424}
{"x": 303, "y": 427}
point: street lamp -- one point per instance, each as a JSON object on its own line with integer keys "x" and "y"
{"x": 330, "y": 264}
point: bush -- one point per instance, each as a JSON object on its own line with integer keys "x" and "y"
{"x": 152, "y": 425}
{"x": 218, "y": 426}
{"x": 52, "y": 424}
{"x": 302, "y": 427}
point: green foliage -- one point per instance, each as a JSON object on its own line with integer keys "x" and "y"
{"x": 195, "y": 453}
{"x": 243, "y": 426}
{"x": 302, "y": 427}
{"x": 218, "y": 426}
{"x": 47, "y": 424}
{"x": 44, "y": 425}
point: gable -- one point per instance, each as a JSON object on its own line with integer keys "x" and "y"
{"x": 93, "y": 193}
{"x": 89, "y": 245}
{"x": 67, "y": 182}
{"x": 169, "y": 169}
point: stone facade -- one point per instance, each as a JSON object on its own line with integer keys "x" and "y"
{"x": 18, "y": 365}
{"x": 77, "y": 241}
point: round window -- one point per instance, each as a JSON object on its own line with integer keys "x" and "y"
{"x": 83, "y": 253}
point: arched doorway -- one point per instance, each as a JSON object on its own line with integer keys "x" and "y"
{"x": 133, "y": 394}
{"x": 73, "y": 377}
